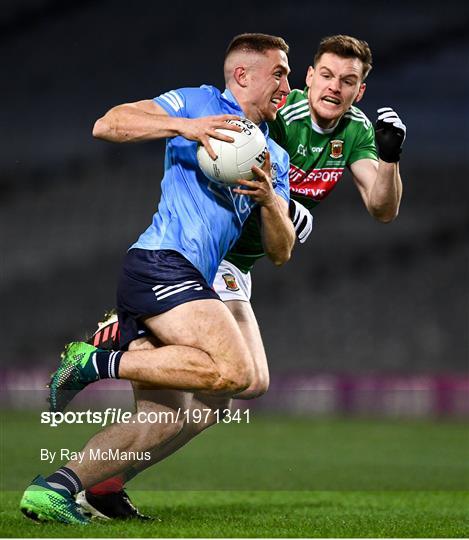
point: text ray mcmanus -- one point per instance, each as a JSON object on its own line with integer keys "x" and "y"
{"x": 92, "y": 454}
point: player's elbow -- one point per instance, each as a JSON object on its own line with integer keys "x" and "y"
{"x": 101, "y": 129}
{"x": 279, "y": 258}
{"x": 388, "y": 217}
{"x": 284, "y": 259}
{"x": 280, "y": 252}
{"x": 384, "y": 214}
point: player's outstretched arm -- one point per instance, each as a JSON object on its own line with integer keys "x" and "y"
{"x": 278, "y": 233}
{"x": 145, "y": 120}
{"x": 380, "y": 183}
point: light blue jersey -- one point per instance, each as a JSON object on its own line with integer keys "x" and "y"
{"x": 196, "y": 217}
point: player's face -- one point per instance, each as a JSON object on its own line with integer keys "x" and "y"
{"x": 334, "y": 84}
{"x": 267, "y": 84}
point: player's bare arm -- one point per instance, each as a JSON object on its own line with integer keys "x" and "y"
{"x": 278, "y": 233}
{"x": 380, "y": 187}
{"x": 145, "y": 120}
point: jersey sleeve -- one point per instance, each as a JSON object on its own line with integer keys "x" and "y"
{"x": 365, "y": 147}
{"x": 183, "y": 102}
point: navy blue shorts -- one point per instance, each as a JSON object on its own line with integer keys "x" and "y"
{"x": 152, "y": 282}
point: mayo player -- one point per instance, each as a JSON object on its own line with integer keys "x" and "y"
{"x": 323, "y": 132}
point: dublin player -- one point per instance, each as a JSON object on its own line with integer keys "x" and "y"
{"x": 182, "y": 340}
{"x": 323, "y": 132}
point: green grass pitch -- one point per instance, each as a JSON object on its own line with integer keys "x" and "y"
{"x": 274, "y": 477}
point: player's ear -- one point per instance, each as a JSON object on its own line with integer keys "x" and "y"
{"x": 309, "y": 76}
{"x": 240, "y": 75}
{"x": 360, "y": 92}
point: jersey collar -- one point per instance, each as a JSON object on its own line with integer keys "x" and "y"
{"x": 321, "y": 130}
{"x": 228, "y": 98}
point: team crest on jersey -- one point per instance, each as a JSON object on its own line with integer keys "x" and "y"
{"x": 230, "y": 282}
{"x": 336, "y": 148}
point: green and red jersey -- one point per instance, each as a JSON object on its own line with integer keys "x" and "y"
{"x": 318, "y": 158}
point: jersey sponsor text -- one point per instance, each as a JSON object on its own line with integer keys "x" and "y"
{"x": 314, "y": 183}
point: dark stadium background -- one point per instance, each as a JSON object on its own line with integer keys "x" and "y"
{"x": 360, "y": 299}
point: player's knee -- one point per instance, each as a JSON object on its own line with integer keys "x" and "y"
{"x": 256, "y": 389}
{"x": 232, "y": 381}
{"x": 232, "y": 374}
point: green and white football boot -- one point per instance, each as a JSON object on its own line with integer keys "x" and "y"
{"x": 42, "y": 503}
{"x": 77, "y": 369}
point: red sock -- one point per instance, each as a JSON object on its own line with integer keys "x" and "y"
{"x": 111, "y": 485}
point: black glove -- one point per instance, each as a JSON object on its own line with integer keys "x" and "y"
{"x": 302, "y": 220}
{"x": 389, "y": 134}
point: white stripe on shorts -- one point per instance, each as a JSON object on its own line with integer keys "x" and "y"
{"x": 175, "y": 289}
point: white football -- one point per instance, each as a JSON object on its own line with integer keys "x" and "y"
{"x": 234, "y": 160}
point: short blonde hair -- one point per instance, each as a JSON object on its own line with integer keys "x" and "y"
{"x": 256, "y": 43}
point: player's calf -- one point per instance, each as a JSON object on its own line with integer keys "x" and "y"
{"x": 161, "y": 425}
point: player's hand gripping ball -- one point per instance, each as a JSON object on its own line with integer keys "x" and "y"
{"x": 234, "y": 160}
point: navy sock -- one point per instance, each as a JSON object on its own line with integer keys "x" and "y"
{"x": 107, "y": 363}
{"x": 65, "y": 479}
